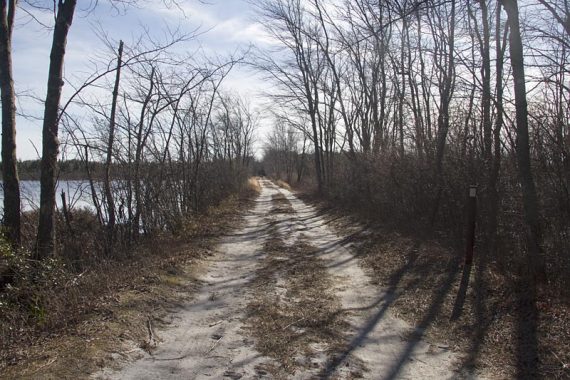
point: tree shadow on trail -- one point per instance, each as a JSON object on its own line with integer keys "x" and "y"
{"x": 483, "y": 309}
{"x": 439, "y": 296}
{"x": 388, "y": 299}
{"x": 487, "y": 309}
{"x": 415, "y": 272}
{"x": 526, "y": 333}
{"x": 482, "y": 322}
{"x": 461, "y": 293}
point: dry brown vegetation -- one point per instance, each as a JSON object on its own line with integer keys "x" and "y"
{"x": 294, "y": 316}
{"x": 69, "y": 324}
{"x": 283, "y": 184}
{"x": 281, "y": 204}
{"x": 253, "y": 184}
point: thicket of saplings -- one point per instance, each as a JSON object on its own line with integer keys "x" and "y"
{"x": 395, "y": 109}
{"x": 48, "y": 294}
{"x": 185, "y": 153}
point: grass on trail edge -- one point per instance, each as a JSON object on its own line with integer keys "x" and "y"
{"x": 110, "y": 312}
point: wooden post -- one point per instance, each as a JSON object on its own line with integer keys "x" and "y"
{"x": 471, "y": 221}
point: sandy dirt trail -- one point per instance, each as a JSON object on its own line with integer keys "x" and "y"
{"x": 207, "y": 339}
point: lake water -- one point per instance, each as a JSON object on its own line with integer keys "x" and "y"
{"x": 77, "y": 194}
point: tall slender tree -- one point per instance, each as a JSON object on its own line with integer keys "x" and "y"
{"x": 45, "y": 243}
{"x": 530, "y": 199}
{"x": 9, "y": 164}
{"x": 109, "y": 159}
{"x": 447, "y": 68}
{"x": 500, "y": 43}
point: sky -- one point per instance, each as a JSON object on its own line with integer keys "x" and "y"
{"x": 228, "y": 25}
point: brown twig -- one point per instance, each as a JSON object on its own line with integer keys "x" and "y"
{"x": 292, "y": 323}
{"x": 150, "y": 333}
{"x": 214, "y": 345}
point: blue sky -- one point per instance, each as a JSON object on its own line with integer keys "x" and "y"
{"x": 229, "y": 25}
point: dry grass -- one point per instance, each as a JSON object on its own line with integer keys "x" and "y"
{"x": 295, "y": 317}
{"x": 280, "y": 204}
{"x": 78, "y": 323}
{"x": 253, "y": 184}
{"x": 218, "y": 220}
{"x": 283, "y": 184}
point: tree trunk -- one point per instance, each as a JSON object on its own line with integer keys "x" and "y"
{"x": 108, "y": 192}
{"x": 530, "y": 200}
{"x": 486, "y": 82}
{"x": 45, "y": 244}
{"x": 446, "y": 93}
{"x": 443, "y": 117}
{"x": 140, "y": 142}
{"x": 496, "y": 167}
{"x": 11, "y": 181}
{"x": 402, "y": 87}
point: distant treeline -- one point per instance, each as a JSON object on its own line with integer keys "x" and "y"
{"x": 29, "y": 170}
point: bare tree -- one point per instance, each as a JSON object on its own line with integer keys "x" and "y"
{"x": 286, "y": 20}
{"x": 109, "y": 159}
{"x": 446, "y": 65}
{"x": 10, "y": 178}
{"x": 530, "y": 199}
{"x": 45, "y": 244}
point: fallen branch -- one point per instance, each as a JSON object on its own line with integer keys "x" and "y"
{"x": 215, "y": 323}
{"x": 48, "y": 363}
{"x": 214, "y": 345}
{"x": 292, "y": 323}
{"x": 151, "y": 339}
